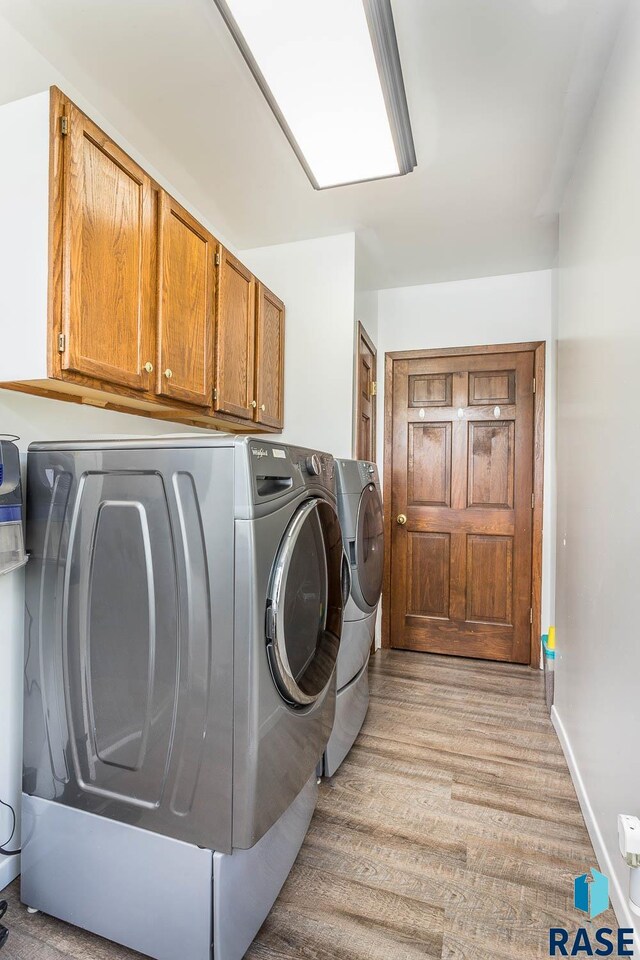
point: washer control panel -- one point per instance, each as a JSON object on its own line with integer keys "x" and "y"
{"x": 368, "y": 472}
{"x": 277, "y": 469}
{"x": 313, "y": 465}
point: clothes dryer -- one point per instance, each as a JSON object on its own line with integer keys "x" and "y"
{"x": 360, "y": 510}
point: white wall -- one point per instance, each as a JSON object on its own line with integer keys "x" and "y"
{"x": 367, "y": 312}
{"x": 509, "y": 309}
{"x": 316, "y": 280}
{"x": 598, "y": 667}
{"x": 25, "y": 71}
{"x": 24, "y": 263}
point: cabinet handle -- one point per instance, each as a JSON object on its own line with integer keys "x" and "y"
{"x": 168, "y": 374}
{"x": 262, "y": 407}
{"x": 254, "y": 404}
{"x": 148, "y": 366}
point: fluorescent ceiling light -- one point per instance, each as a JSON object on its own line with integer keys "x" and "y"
{"x": 331, "y": 73}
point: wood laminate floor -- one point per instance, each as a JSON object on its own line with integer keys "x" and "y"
{"x": 451, "y": 831}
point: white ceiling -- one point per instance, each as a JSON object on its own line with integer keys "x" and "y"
{"x": 499, "y": 92}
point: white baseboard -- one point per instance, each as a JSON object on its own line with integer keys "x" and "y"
{"x": 9, "y": 870}
{"x": 618, "y": 896}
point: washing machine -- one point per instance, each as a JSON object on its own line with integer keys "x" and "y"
{"x": 360, "y": 511}
{"x": 184, "y": 613}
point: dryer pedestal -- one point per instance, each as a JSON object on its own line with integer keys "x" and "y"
{"x": 163, "y": 897}
{"x": 355, "y": 646}
{"x": 352, "y": 699}
{"x": 352, "y": 703}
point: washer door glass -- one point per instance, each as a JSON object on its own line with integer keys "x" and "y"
{"x": 305, "y": 604}
{"x": 370, "y": 545}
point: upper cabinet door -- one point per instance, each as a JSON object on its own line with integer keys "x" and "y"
{"x": 269, "y": 359}
{"x": 235, "y": 339}
{"x": 107, "y": 237}
{"x": 186, "y": 262}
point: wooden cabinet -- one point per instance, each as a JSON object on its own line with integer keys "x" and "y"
{"x": 269, "y": 359}
{"x": 249, "y": 380}
{"x": 121, "y": 298}
{"x": 186, "y": 298}
{"x": 107, "y": 237}
{"x": 235, "y": 339}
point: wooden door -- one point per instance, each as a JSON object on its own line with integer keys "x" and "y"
{"x": 366, "y": 389}
{"x": 461, "y": 505}
{"x": 185, "y": 305}
{"x": 235, "y": 339}
{"x": 269, "y": 358}
{"x": 108, "y": 256}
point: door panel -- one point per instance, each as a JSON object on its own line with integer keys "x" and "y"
{"x": 187, "y": 288}
{"x": 490, "y": 579}
{"x": 429, "y": 593}
{"x": 235, "y": 339}
{"x": 269, "y": 359}
{"x": 429, "y": 464}
{"x": 430, "y": 390}
{"x": 492, "y": 387}
{"x": 491, "y": 464}
{"x": 365, "y": 407}
{"x": 462, "y": 475}
{"x": 107, "y": 259}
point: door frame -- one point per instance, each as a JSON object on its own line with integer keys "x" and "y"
{"x": 361, "y": 334}
{"x": 538, "y": 348}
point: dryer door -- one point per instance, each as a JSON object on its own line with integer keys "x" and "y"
{"x": 305, "y": 603}
{"x": 370, "y": 545}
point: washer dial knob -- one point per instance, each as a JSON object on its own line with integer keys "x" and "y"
{"x": 313, "y": 465}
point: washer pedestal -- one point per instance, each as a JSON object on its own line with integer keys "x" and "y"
{"x": 123, "y": 883}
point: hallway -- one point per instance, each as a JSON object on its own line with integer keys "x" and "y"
{"x": 452, "y": 830}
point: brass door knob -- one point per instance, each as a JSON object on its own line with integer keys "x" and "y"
{"x": 168, "y": 374}
{"x": 401, "y": 519}
{"x": 148, "y": 366}
{"x": 262, "y": 407}
{"x": 254, "y": 403}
